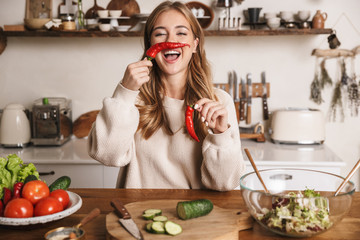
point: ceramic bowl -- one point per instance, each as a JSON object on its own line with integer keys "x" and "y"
{"x": 36, "y": 23}
{"x": 268, "y": 15}
{"x": 115, "y": 13}
{"x": 123, "y": 28}
{"x": 303, "y": 15}
{"x": 105, "y": 27}
{"x": 103, "y": 13}
{"x": 287, "y": 16}
{"x": 285, "y": 212}
{"x": 273, "y": 23}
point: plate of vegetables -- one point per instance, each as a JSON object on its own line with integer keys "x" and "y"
{"x": 26, "y": 200}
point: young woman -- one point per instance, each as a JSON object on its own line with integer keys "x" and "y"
{"x": 141, "y": 128}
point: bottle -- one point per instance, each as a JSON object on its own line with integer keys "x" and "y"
{"x": 319, "y": 19}
{"x": 80, "y": 17}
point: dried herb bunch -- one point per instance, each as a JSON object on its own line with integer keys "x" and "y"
{"x": 336, "y": 102}
{"x": 325, "y": 79}
{"x": 354, "y": 98}
{"x": 315, "y": 93}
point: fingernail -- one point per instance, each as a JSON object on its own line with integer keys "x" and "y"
{"x": 202, "y": 119}
{"x": 196, "y": 106}
{"x": 206, "y": 124}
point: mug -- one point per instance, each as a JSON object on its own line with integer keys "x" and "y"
{"x": 254, "y": 14}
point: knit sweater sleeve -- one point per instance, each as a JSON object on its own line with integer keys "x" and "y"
{"x": 223, "y": 162}
{"x": 111, "y": 139}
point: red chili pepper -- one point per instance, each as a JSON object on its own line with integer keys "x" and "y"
{"x": 7, "y": 195}
{"x": 190, "y": 123}
{"x": 156, "y": 48}
{"x": 17, "y": 190}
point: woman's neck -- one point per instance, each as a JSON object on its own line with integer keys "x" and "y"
{"x": 175, "y": 85}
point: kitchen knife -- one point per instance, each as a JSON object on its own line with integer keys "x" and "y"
{"x": 236, "y": 96}
{"x": 264, "y": 97}
{"x": 231, "y": 83}
{"x": 242, "y": 100}
{"x": 248, "y": 107}
{"x": 125, "y": 219}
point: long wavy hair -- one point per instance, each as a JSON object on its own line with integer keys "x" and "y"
{"x": 199, "y": 79}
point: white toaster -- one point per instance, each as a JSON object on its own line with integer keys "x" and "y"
{"x": 297, "y": 126}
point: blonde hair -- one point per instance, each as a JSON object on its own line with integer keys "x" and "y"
{"x": 199, "y": 80}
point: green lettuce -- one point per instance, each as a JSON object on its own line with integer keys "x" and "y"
{"x": 12, "y": 170}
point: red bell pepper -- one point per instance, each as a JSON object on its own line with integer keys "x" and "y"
{"x": 158, "y": 47}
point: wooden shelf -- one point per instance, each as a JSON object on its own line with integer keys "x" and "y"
{"x": 209, "y": 33}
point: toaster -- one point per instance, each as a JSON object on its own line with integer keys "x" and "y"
{"x": 51, "y": 121}
{"x": 297, "y": 126}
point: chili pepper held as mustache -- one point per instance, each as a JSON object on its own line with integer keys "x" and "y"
{"x": 156, "y": 48}
{"x": 189, "y": 122}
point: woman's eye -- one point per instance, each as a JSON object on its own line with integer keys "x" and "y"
{"x": 159, "y": 34}
{"x": 182, "y": 33}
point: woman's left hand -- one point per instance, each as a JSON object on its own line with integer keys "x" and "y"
{"x": 214, "y": 114}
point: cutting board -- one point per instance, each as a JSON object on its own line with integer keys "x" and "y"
{"x": 219, "y": 224}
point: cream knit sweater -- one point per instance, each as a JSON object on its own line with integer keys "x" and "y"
{"x": 165, "y": 161}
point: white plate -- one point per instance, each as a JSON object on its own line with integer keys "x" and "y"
{"x": 124, "y": 17}
{"x": 75, "y": 204}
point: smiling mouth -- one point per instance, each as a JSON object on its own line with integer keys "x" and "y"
{"x": 171, "y": 55}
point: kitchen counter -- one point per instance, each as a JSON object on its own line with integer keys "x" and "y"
{"x": 348, "y": 228}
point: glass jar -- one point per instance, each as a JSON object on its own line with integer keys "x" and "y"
{"x": 68, "y": 22}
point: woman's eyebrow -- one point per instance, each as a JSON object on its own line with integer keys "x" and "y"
{"x": 178, "y": 26}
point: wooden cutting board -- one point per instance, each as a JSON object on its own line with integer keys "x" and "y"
{"x": 219, "y": 224}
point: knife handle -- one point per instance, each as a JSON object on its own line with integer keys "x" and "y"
{"x": 242, "y": 110}
{"x": 248, "y": 114}
{"x": 265, "y": 109}
{"x": 120, "y": 209}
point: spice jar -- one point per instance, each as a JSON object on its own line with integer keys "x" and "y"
{"x": 318, "y": 21}
{"x": 68, "y": 22}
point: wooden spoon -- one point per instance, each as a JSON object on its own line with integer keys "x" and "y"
{"x": 255, "y": 168}
{"x": 351, "y": 173}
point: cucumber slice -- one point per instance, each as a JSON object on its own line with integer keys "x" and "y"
{"x": 194, "y": 209}
{"x": 158, "y": 227}
{"x": 172, "y": 228}
{"x": 148, "y": 227}
{"x": 153, "y": 211}
{"x": 148, "y": 216}
{"x": 160, "y": 219}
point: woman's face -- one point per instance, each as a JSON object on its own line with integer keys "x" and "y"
{"x": 172, "y": 26}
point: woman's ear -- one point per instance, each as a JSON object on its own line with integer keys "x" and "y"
{"x": 196, "y": 43}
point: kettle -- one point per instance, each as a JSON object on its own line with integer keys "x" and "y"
{"x": 15, "y": 126}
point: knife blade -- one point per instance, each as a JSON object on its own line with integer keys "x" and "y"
{"x": 242, "y": 100}
{"x": 125, "y": 219}
{"x": 248, "y": 107}
{"x": 264, "y": 97}
{"x": 236, "y": 95}
{"x": 231, "y": 83}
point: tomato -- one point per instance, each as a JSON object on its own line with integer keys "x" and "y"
{"x": 62, "y": 196}
{"x": 46, "y": 206}
{"x": 19, "y": 208}
{"x": 35, "y": 190}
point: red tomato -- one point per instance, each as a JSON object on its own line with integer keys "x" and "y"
{"x": 62, "y": 196}
{"x": 46, "y": 206}
{"x": 19, "y": 208}
{"x": 35, "y": 190}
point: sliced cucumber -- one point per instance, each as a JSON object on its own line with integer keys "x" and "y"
{"x": 194, "y": 209}
{"x": 172, "y": 228}
{"x": 157, "y": 227}
{"x": 148, "y": 227}
{"x": 160, "y": 219}
{"x": 149, "y": 214}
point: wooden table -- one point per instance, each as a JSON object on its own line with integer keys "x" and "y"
{"x": 348, "y": 228}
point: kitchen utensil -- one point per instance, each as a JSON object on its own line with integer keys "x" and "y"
{"x": 208, "y": 16}
{"x": 248, "y": 101}
{"x": 254, "y": 14}
{"x": 65, "y": 232}
{"x": 15, "y": 126}
{"x": 264, "y": 97}
{"x": 36, "y": 23}
{"x": 83, "y": 123}
{"x": 242, "y": 100}
{"x": 236, "y": 95}
{"x": 220, "y": 223}
{"x": 91, "y": 13}
{"x": 351, "y": 173}
{"x": 282, "y": 181}
{"x": 125, "y": 219}
{"x": 231, "y": 84}
{"x": 255, "y": 169}
{"x": 297, "y": 126}
{"x": 256, "y": 129}
{"x": 273, "y": 23}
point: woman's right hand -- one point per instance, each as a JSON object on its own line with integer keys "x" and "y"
{"x": 136, "y": 74}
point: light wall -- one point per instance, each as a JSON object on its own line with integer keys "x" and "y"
{"x": 87, "y": 69}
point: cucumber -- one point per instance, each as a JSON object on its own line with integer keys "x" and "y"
{"x": 160, "y": 219}
{"x": 193, "y": 209}
{"x": 60, "y": 183}
{"x": 30, "y": 178}
{"x": 172, "y": 228}
{"x": 157, "y": 227}
{"x": 149, "y": 214}
{"x": 148, "y": 227}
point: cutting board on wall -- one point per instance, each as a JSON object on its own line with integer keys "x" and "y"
{"x": 219, "y": 224}
{"x": 128, "y": 7}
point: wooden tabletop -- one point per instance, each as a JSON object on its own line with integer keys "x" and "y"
{"x": 348, "y": 228}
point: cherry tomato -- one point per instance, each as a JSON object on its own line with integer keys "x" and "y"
{"x": 19, "y": 208}
{"x": 46, "y": 206}
{"x": 62, "y": 196}
{"x": 35, "y": 190}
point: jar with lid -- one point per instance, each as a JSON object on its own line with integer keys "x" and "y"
{"x": 68, "y": 22}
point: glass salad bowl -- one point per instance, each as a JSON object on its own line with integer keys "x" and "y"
{"x": 300, "y": 202}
